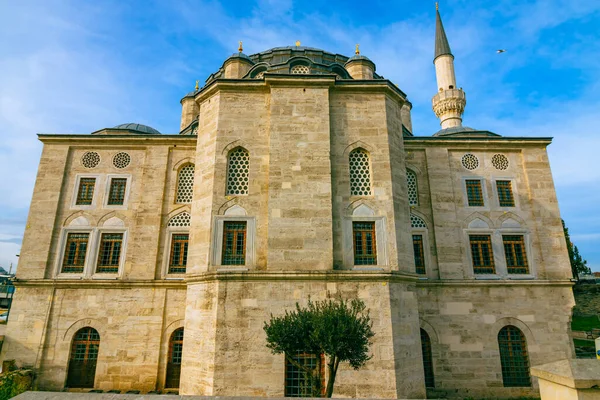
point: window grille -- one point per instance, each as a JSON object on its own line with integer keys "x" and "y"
{"x": 84, "y": 354}
{"x": 499, "y": 161}
{"x": 174, "y": 359}
{"x": 116, "y": 194}
{"x": 417, "y": 222}
{"x": 516, "y": 257}
{"x": 474, "y": 193}
{"x": 413, "y": 193}
{"x": 300, "y": 70}
{"x": 90, "y": 159}
{"x": 121, "y": 160}
{"x": 185, "y": 184}
{"x": 470, "y": 162}
{"x": 360, "y": 173}
{"x": 297, "y": 381}
{"x": 234, "y": 243}
{"x": 85, "y": 192}
{"x": 482, "y": 254}
{"x": 260, "y": 75}
{"x": 181, "y": 219}
{"x": 505, "y": 194}
{"x": 427, "y": 359}
{"x": 179, "y": 253}
{"x": 419, "y": 254}
{"x": 109, "y": 253}
{"x": 365, "y": 252}
{"x": 238, "y": 167}
{"x": 75, "y": 251}
{"x": 513, "y": 357}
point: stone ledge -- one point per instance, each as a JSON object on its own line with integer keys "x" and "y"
{"x": 576, "y": 373}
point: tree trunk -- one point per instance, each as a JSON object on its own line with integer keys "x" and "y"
{"x": 333, "y": 367}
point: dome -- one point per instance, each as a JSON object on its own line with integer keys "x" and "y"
{"x": 138, "y": 128}
{"x": 463, "y": 131}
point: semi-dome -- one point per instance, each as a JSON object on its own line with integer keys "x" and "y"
{"x": 138, "y": 128}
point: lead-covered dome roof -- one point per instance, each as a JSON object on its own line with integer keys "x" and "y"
{"x": 138, "y": 128}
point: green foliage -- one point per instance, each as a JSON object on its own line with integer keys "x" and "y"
{"x": 585, "y": 323}
{"x": 578, "y": 264}
{"x": 340, "y": 329}
{"x": 14, "y": 383}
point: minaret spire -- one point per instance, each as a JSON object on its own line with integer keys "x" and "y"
{"x": 449, "y": 103}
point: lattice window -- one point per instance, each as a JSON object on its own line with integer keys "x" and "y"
{"x": 75, "y": 252}
{"x": 185, "y": 184}
{"x": 121, "y": 160}
{"x": 300, "y": 70}
{"x": 505, "y": 194}
{"x": 513, "y": 357}
{"x": 116, "y": 194}
{"x": 419, "y": 253}
{"x": 427, "y": 359}
{"x": 417, "y": 222}
{"x": 181, "y": 219}
{"x": 365, "y": 251}
{"x": 234, "y": 243}
{"x": 109, "y": 254}
{"x": 238, "y": 168}
{"x": 413, "y": 192}
{"x": 179, "y": 253}
{"x": 85, "y": 192}
{"x": 469, "y": 161}
{"x": 514, "y": 251}
{"x": 482, "y": 254}
{"x": 474, "y": 193}
{"x": 360, "y": 173}
{"x": 90, "y": 159}
{"x": 260, "y": 75}
{"x": 84, "y": 354}
{"x": 174, "y": 359}
{"x": 499, "y": 161}
{"x": 297, "y": 381}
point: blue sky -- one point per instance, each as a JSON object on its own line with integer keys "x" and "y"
{"x": 78, "y": 66}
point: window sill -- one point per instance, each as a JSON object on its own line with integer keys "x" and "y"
{"x": 484, "y": 277}
{"x": 72, "y": 277}
{"x": 106, "y": 277}
{"x": 519, "y": 277}
{"x": 231, "y": 269}
{"x": 367, "y": 268}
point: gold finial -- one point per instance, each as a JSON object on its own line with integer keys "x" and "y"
{"x": 240, "y": 48}
{"x": 196, "y": 88}
{"x": 437, "y": 6}
{"x": 357, "y": 51}
{"x": 297, "y": 43}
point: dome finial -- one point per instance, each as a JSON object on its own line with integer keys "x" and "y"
{"x": 240, "y": 48}
{"x": 196, "y": 88}
{"x": 357, "y": 51}
{"x": 297, "y": 43}
{"x": 437, "y": 6}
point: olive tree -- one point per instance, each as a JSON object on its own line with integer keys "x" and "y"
{"x": 339, "y": 329}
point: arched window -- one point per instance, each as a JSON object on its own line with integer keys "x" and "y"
{"x": 360, "y": 173}
{"x": 514, "y": 357}
{"x": 427, "y": 359}
{"x": 82, "y": 361}
{"x": 185, "y": 184}
{"x": 259, "y": 73}
{"x": 179, "y": 238}
{"x": 418, "y": 225}
{"x": 300, "y": 69}
{"x": 174, "y": 359}
{"x": 238, "y": 167}
{"x": 413, "y": 191}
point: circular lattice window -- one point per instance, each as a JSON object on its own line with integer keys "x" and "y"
{"x": 300, "y": 69}
{"x": 360, "y": 173}
{"x": 413, "y": 195}
{"x": 238, "y": 165}
{"x": 181, "y": 219}
{"x": 90, "y": 159}
{"x": 121, "y": 160}
{"x": 469, "y": 161}
{"x": 185, "y": 184}
{"x": 499, "y": 161}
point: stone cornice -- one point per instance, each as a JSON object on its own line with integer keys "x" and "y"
{"x": 328, "y": 276}
{"x": 118, "y": 139}
{"x": 485, "y": 141}
{"x": 496, "y": 282}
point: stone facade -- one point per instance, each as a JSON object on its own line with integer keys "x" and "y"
{"x": 298, "y": 131}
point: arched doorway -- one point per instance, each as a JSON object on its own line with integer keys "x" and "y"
{"x": 514, "y": 357}
{"x": 174, "y": 359}
{"x": 427, "y": 359}
{"x": 82, "y": 361}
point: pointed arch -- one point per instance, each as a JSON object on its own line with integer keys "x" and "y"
{"x": 476, "y": 215}
{"x": 514, "y": 358}
{"x": 109, "y": 216}
{"x": 174, "y": 359}
{"x": 510, "y": 215}
{"x": 350, "y": 209}
{"x": 413, "y": 187}
{"x": 359, "y": 161}
{"x": 185, "y": 184}
{"x": 238, "y": 170}
{"x": 70, "y": 220}
{"x": 182, "y": 162}
{"x": 426, "y": 351}
{"x": 356, "y": 145}
{"x": 83, "y": 356}
{"x": 236, "y": 210}
{"x": 182, "y": 219}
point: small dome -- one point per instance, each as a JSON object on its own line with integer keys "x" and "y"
{"x": 138, "y": 128}
{"x": 463, "y": 131}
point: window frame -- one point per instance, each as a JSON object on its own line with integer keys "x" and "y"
{"x": 371, "y": 182}
{"x": 109, "y": 178}
{"x": 413, "y": 172}
{"x": 513, "y": 185}
{"x": 380, "y": 242}
{"x": 97, "y": 188}
{"x": 217, "y": 242}
{"x": 430, "y": 271}
{"x": 177, "y": 173}
{"x": 170, "y": 231}
{"x": 528, "y": 251}
{"x": 109, "y": 275}
{"x": 63, "y": 247}
{"x": 495, "y": 250}
{"x": 484, "y": 194}
{"x": 228, "y": 171}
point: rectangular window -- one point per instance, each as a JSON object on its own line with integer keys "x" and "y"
{"x": 297, "y": 381}
{"x": 505, "y": 194}
{"x": 419, "y": 254}
{"x": 514, "y": 250}
{"x": 85, "y": 192}
{"x": 116, "y": 194}
{"x": 474, "y": 193}
{"x": 179, "y": 252}
{"x": 75, "y": 251}
{"x": 481, "y": 251}
{"x": 109, "y": 253}
{"x": 234, "y": 243}
{"x": 365, "y": 252}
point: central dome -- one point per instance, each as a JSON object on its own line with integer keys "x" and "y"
{"x": 138, "y": 128}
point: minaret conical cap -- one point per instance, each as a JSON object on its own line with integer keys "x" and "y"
{"x": 442, "y": 47}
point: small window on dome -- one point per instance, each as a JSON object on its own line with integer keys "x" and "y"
{"x": 300, "y": 69}
{"x": 260, "y": 74}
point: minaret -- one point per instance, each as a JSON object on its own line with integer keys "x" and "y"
{"x": 449, "y": 103}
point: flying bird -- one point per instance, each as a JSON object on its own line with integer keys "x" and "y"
{"x": 500, "y": 51}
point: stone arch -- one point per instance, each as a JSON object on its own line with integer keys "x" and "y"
{"x": 414, "y": 169}
{"x": 502, "y": 322}
{"x": 79, "y": 214}
{"x": 340, "y": 70}
{"x": 357, "y": 203}
{"x": 504, "y": 220}
{"x": 178, "y": 210}
{"x": 236, "y": 210}
{"x": 256, "y": 69}
{"x": 164, "y": 348}
{"x": 239, "y": 201}
{"x": 82, "y": 323}
{"x": 363, "y": 211}
{"x": 422, "y": 216}
{"x": 300, "y": 60}
{"x": 476, "y": 215}
{"x": 358, "y": 144}
{"x": 234, "y": 145}
{"x": 111, "y": 215}
{"x": 427, "y": 327}
{"x": 182, "y": 163}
